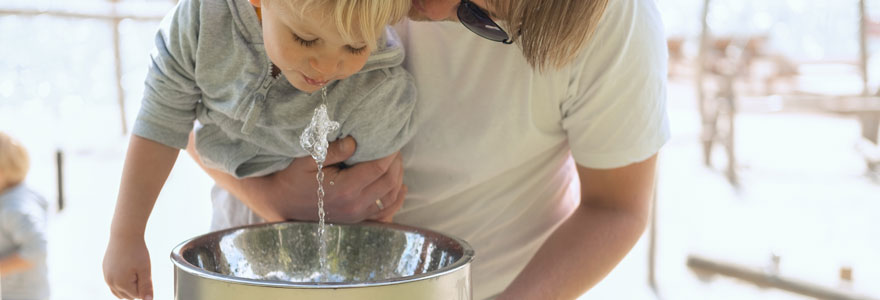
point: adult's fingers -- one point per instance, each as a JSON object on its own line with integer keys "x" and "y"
{"x": 340, "y": 150}
{"x": 362, "y": 175}
{"x": 395, "y": 176}
{"x": 391, "y": 180}
{"x": 386, "y": 215}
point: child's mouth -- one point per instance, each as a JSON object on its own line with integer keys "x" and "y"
{"x": 314, "y": 82}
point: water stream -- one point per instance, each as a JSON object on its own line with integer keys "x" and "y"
{"x": 314, "y": 140}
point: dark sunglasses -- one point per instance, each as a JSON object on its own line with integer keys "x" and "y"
{"x": 474, "y": 18}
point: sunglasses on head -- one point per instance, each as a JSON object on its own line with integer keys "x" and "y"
{"x": 476, "y": 20}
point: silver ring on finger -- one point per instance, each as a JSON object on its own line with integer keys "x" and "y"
{"x": 379, "y": 204}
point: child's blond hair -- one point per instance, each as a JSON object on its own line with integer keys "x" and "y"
{"x": 354, "y": 18}
{"x": 14, "y": 161}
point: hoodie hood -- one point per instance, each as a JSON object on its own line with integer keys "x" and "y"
{"x": 389, "y": 53}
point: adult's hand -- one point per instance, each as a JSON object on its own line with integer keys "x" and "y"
{"x": 290, "y": 194}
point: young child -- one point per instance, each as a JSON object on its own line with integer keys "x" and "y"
{"x": 248, "y": 73}
{"x": 23, "y": 273}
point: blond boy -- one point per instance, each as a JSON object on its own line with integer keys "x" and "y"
{"x": 248, "y": 73}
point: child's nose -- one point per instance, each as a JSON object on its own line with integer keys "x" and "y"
{"x": 325, "y": 66}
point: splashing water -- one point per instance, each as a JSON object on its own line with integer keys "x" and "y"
{"x": 314, "y": 137}
{"x": 314, "y": 140}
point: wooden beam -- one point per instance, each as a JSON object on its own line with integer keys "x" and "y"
{"x": 767, "y": 279}
{"x": 80, "y": 15}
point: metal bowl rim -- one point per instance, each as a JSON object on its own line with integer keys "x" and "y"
{"x": 182, "y": 264}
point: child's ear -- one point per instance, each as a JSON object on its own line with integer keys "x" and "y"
{"x": 255, "y": 3}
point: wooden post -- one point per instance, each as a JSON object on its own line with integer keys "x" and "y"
{"x": 707, "y": 131}
{"x": 652, "y": 245}
{"x": 59, "y": 170}
{"x": 117, "y": 56}
{"x": 869, "y": 120}
{"x": 863, "y": 47}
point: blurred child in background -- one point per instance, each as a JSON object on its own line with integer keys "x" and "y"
{"x": 23, "y": 272}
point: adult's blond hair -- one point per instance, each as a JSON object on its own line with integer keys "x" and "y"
{"x": 353, "y": 18}
{"x": 549, "y": 32}
{"x": 14, "y": 161}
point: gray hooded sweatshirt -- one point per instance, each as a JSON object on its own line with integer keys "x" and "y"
{"x": 210, "y": 65}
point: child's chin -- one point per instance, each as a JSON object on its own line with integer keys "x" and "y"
{"x": 308, "y": 88}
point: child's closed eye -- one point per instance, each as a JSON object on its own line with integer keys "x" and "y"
{"x": 356, "y": 51}
{"x": 304, "y": 42}
{"x": 308, "y": 43}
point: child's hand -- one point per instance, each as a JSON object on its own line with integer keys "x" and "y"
{"x": 127, "y": 268}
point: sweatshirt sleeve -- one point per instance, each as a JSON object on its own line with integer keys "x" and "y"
{"x": 171, "y": 94}
{"x": 385, "y": 117}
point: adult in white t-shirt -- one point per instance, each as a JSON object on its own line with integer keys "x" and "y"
{"x": 547, "y": 174}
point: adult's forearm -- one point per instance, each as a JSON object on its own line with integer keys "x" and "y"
{"x": 291, "y": 194}
{"x": 247, "y": 190}
{"x": 582, "y": 251}
{"x": 14, "y": 263}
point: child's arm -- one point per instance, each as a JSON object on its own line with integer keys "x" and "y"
{"x": 127, "y": 262}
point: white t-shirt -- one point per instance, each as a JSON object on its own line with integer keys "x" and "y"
{"x": 494, "y": 159}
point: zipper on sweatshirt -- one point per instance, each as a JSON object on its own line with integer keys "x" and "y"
{"x": 258, "y": 99}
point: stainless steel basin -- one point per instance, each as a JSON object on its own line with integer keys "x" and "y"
{"x": 363, "y": 261}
